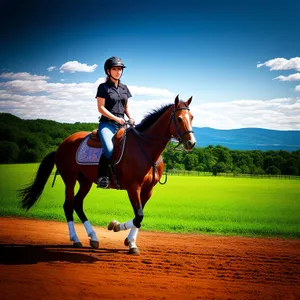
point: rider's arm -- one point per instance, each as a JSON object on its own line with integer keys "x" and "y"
{"x": 103, "y": 111}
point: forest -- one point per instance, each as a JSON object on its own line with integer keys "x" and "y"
{"x": 24, "y": 141}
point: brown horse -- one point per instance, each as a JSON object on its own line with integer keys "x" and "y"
{"x": 138, "y": 167}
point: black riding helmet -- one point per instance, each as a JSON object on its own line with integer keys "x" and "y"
{"x": 113, "y": 62}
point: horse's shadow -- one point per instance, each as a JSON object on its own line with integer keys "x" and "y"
{"x": 15, "y": 254}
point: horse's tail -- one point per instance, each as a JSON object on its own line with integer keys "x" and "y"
{"x": 33, "y": 191}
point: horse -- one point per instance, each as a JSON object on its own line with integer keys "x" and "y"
{"x": 137, "y": 164}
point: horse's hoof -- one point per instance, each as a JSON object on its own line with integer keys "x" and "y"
{"x": 77, "y": 245}
{"x": 134, "y": 251}
{"x": 114, "y": 225}
{"x": 94, "y": 244}
{"x": 126, "y": 242}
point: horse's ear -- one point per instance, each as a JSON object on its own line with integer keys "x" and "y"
{"x": 188, "y": 102}
{"x": 176, "y": 100}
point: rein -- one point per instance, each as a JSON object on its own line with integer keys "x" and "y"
{"x": 123, "y": 147}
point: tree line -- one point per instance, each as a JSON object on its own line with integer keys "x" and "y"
{"x": 219, "y": 159}
{"x": 30, "y": 140}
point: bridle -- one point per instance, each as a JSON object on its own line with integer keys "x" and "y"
{"x": 178, "y": 133}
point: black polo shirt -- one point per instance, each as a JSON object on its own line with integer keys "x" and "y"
{"x": 115, "y": 98}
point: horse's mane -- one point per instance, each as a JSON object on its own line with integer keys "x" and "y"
{"x": 151, "y": 118}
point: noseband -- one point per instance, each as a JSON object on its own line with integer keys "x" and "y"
{"x": 173, "y": 118}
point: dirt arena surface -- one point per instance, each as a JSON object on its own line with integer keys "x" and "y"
{"x": 38, "y": 262}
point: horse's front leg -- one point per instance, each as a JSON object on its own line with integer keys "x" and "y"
{"x": 134, "y": 224}
{"x": 130, "y": 241}
{"x": 134, "y": 194}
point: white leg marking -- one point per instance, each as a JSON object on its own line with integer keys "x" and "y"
{"x": 90, "y": 232}
{"x": 132, "y": 236}
{"x": 126, "y": 225}
{"x": 72, "y": 232}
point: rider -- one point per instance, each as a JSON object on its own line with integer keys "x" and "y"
{"x": 112, "y": 99}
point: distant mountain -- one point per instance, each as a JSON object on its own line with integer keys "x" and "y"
{"x": 248, "y": 138}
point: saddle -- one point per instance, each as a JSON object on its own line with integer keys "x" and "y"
{"x": 95, "y": 142}
{"x": 118, "y": 140}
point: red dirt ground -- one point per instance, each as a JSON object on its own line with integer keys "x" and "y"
{"x": 38, "y": 262}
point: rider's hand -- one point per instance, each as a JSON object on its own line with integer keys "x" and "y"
{"x": 131, "y": 121}
{"x": 121, "y": 121}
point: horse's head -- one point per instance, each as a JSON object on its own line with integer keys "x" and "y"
{"x": 181, "y": 124}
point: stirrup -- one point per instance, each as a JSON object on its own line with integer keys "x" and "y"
{"x": 103, "y": 182}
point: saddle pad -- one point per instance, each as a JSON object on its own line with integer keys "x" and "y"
{"x": 86, "y": 155}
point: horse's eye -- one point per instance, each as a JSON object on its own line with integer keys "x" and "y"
{"x": 179, "y": 119}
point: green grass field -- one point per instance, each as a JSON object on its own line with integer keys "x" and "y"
{"x": 214, "y": 205}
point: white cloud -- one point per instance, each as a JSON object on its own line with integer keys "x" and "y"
{"x": 282, "y": 64}
{"x": 75, "y": 102}
{"x": 51, "y": 68}
{"x": 23, "y": 98}
{"x": 45, "y": 107}
{"x": 24, "y": 86}
{"x": 281, "y": 114}
{"x": 292, "y": 77}
{"x": 75, "y": 66}
{"x": 140, "y": 90}
{"x": 297, "y": 88}
{"x": 22, "y": 76}
{"x": 84, "y": 90}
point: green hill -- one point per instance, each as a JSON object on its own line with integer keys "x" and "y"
{"x": 30, "y": 140}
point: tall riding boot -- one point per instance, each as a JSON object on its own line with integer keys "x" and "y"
{"x": 103, "y": 179}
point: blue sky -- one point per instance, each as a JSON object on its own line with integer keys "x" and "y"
{"x": 240, "y": 60}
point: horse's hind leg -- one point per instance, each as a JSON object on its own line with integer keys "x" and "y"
{"x": 69, "y": 209}
{"x": 85, "y": 186}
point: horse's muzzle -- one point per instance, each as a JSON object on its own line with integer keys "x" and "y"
{"x": 190, "y": 144}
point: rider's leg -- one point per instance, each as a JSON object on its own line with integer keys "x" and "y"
{"x": 106, "y": 132}
{"x": 103, "y": 180}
